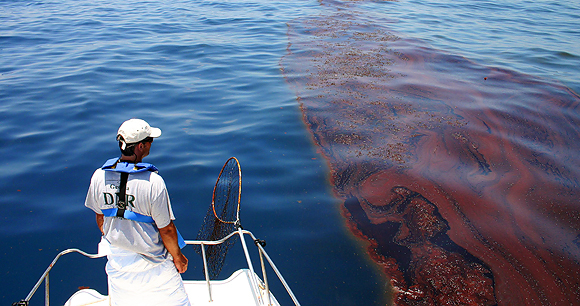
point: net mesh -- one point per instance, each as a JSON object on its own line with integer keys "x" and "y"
{"x": 222, "y": 217}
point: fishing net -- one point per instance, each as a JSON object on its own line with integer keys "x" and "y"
{"x": 223, "y": 216}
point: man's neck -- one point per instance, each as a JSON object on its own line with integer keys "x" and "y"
{"x": 130, "y": 159}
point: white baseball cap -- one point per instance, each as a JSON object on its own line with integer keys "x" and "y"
{"x": 135, "y": 130}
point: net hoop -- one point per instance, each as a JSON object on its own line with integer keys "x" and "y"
{"x": 239, "y": 191}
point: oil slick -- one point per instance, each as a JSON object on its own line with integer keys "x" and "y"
{"x": 463, "y": 178}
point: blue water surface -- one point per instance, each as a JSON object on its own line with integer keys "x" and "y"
{"x": 540, "y": 37}
{"x": 208, "y": 74}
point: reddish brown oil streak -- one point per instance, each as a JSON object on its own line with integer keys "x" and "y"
{"x": 463, "y": 178}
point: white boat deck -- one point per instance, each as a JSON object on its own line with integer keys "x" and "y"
{"x": 235, "y": 290}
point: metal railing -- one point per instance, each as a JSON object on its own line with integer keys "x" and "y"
{"x": 44, "y": 278}
{"x": 255, "y": 280}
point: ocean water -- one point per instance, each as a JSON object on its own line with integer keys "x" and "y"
{"x": 209, "y": 74}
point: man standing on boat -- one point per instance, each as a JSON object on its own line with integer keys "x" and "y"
{"x": 134, "y": 214}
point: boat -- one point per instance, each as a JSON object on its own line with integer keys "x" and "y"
{"x": 218, "y": 233}
{"x": 243, "y": 287}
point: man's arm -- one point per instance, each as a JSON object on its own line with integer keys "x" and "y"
{"x": 100, "y": 220}
{"x": 169, "y": 237}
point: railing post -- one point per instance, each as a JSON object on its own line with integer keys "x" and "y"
{"x": 46, "y": 291}
{"x": 280, "y": 277}
{"x": 265, "y": 277}
{"x": 206, "y": 272}
{"x": 259, "y": 299}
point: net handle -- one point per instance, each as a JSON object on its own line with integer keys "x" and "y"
{"x": 237, "y": 221}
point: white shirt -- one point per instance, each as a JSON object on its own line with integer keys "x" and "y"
{"x": 146, "y": 195}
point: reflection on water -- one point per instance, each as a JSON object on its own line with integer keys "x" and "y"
{"x": 463, "y": 178}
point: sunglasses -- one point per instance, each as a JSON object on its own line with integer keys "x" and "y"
{"x": 148, "y": 139}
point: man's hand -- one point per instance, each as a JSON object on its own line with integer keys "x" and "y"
{"x": 100, "y": 221}
{"x": 180, "y": 263}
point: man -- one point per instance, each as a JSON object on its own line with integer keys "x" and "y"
{"x": 134, "y": 214}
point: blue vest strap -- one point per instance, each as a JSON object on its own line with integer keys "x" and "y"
{"x": 180, "y": 240}
{"x": 112, "y": 212}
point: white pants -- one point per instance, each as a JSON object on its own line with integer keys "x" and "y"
{"x": 136, "y": 281}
